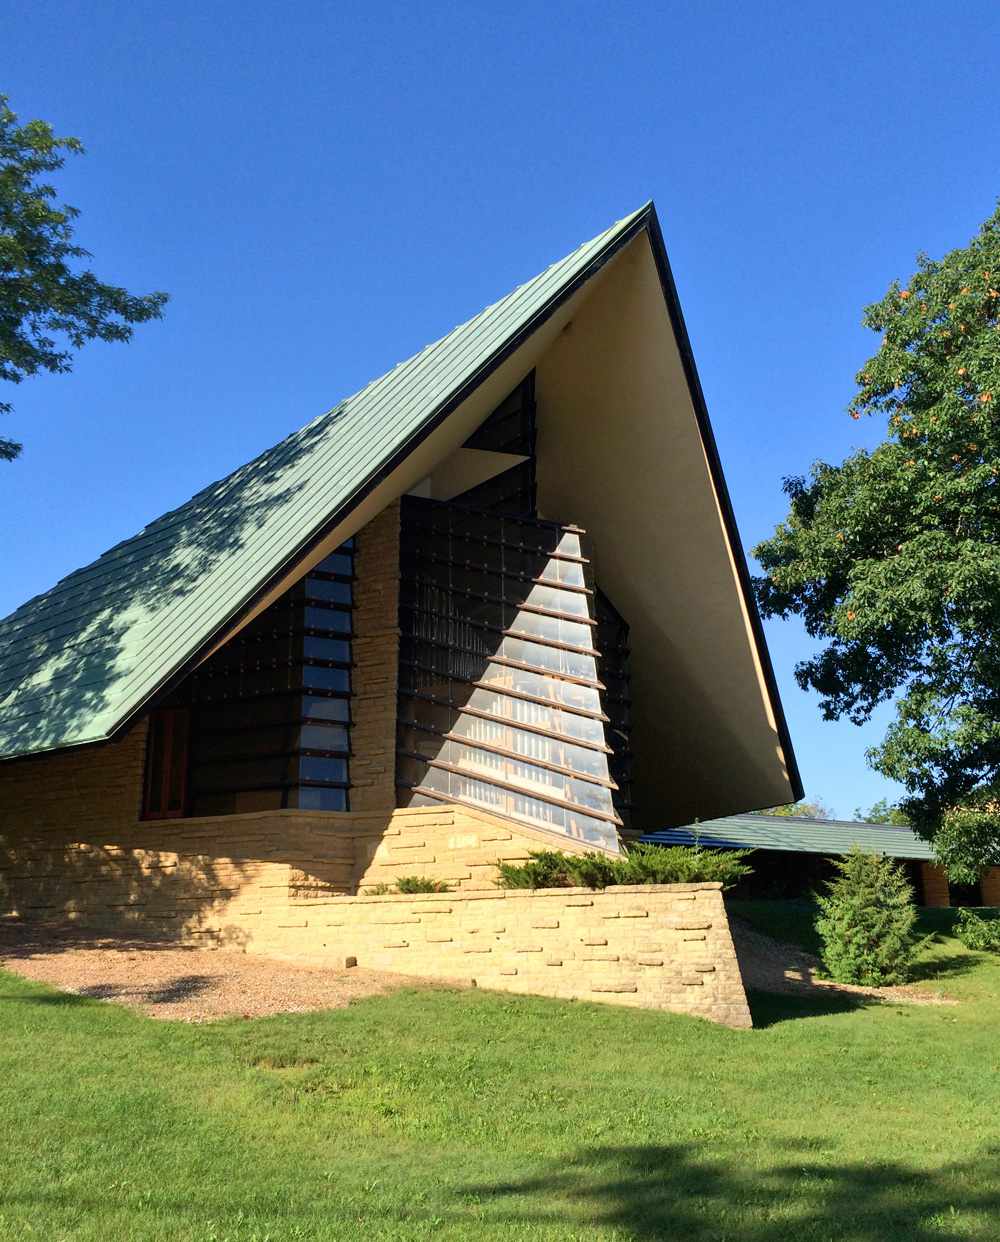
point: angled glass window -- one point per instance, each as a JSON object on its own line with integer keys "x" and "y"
{"x": 270, "y": 710}
{"x": 500, "y": 700}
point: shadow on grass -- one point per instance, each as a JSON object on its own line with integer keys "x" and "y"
{"x": 770, "y": 1008}
{"x": 930, "y": 970}
{"x": 45, "y": 998}
{"x": 666, "y": 1192}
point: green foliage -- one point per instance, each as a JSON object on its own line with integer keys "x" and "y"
{"x": 642, "y": 864}
{"x": 975, "y": 932}
{"x": 420, "y": 884}
{"x": 683, "y": 864}
{"x": 968, "y": 839}
{"x": 883, "y": 812}
{"x": 48, "y": 306}
{"x": 867, "y": 920}
{"x": 798, "y": 810}
{"x": 545, "y": 869}
{"x": 406, "y": 884}
{"x": 892, "y": 558}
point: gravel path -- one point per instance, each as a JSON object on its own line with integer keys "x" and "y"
{"x": 186, "y": 984}
{"x": 772, "y": 966}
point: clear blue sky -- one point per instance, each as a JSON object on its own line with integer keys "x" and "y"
{"x": 324, "y": 188}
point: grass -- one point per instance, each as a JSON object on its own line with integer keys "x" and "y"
{"x": 467, "y": 1115}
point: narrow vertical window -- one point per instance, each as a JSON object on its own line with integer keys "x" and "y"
{"x": 165, "y": 793}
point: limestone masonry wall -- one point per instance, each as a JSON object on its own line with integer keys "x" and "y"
{"x": 375, "y": 655}
{"x": 649, "y": 946}
{"x": 281, "y": 883}
{"x": 935, "y": 881}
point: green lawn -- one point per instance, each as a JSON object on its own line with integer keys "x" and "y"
{"x": 470, "y": 1115}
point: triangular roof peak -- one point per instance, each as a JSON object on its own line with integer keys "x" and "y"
{"x": 79, "y": 662}
{"x": 624, "y": 448}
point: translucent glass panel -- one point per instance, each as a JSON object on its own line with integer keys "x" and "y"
{"x": 565, "y": 573}
{"x": 457, "y": 787}
{"x": 499, "y": 681}
{"x": 502, "y": 769}
{"x": 548, "y": 659}
{"x": 550, "y": 629}
{"x": 560, "y": 693}
{"x": 553, "y": 599}
{"x": 439, "y": 708}
{"x": 495, "y": 735}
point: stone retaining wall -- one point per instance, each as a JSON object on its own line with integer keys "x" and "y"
{"x": 282, "y": 883}
{"x": 650, "y": 946}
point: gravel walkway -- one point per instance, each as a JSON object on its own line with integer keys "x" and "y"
{"x": 186, "y": 984}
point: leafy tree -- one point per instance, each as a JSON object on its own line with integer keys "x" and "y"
{"x": 866, "y": 921}
{"x": 799, "y": 810}
{"x": 883, "y": 812}
{"x": 978, "y": 933}
{"x": 48, "y": 305}
{"x": 892, "y": 558}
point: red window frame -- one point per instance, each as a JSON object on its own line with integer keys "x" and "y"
{"x": 165, "y": 785}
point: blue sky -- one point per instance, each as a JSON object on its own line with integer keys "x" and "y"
{"x": 324, "y": 188}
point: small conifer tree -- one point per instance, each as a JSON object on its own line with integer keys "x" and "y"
{"x": 867, "y": 921}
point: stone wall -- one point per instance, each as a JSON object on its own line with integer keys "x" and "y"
{"x": 75, "y": 791}
{"x": 650, "y": 946}
{"x": 230, "y": 879}
{"x": 375, "y": 655}
{"x": 935, "y": 882}
{"x": 991, "y": 887}
{"x": 282, "y": 883}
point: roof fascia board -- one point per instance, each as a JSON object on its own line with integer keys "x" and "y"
{"x": 711, "y": 447}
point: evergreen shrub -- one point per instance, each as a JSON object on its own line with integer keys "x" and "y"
{"x": 641, "y": 864}
{"x": 866, "y": 923}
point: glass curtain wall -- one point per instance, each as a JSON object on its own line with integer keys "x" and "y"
{"x": 500, "y": 698}
{"x": 267, "y": 717}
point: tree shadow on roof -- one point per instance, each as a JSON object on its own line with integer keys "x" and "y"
{"x": 74, "y": 659}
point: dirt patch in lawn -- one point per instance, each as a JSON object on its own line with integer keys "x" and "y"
{"x": 772, "y": 966}
{"x": 166, "y": 980}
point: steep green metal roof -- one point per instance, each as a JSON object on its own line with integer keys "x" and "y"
{"x": 79, "y": 660}
{"x": 798, "y": 836}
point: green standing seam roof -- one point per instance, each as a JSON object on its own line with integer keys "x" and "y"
{"x": 78, "y": 661}
{"x": 798, "y": 836}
